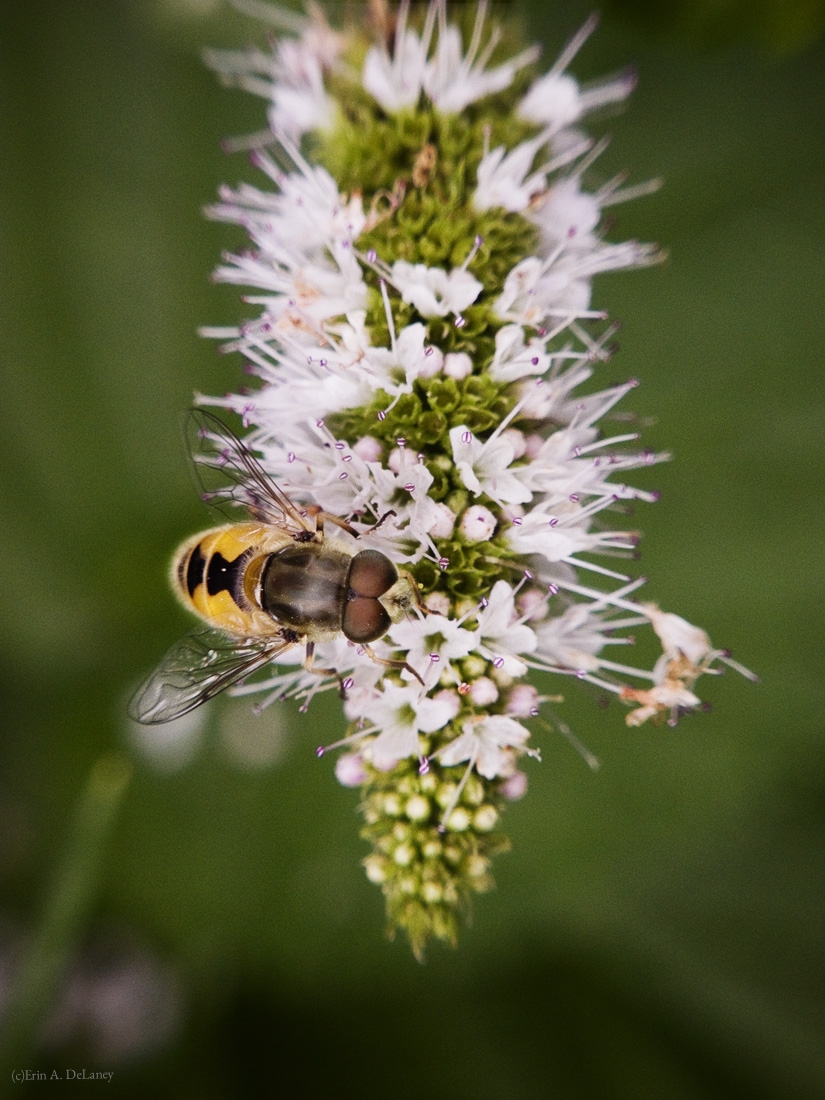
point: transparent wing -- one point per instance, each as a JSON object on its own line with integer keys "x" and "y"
{"x": 197, "y": 667}
{"x": 227, "y": 472}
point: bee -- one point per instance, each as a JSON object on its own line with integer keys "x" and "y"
{"x": 275, "y": 581}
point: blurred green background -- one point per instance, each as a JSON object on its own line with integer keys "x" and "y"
{"x": 657, "y": 928}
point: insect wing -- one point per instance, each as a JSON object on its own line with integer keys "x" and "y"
{"x": 197, "y": 667}
{"x": 227, "y": 472}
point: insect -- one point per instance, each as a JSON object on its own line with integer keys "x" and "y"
{"x": 265, "y": 585}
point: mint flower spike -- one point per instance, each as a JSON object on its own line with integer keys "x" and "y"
{"x": 423, "y": 241}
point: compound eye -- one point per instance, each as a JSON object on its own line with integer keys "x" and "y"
{"x": 364, "y": 618}
{"x": 371, "y": 574}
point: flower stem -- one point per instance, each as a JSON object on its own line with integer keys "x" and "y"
{"x": 64, "y": 912}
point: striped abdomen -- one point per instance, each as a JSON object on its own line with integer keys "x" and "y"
{"x": 216, "y": 574}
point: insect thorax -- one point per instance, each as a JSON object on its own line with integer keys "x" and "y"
{"x": 305, "y": 587}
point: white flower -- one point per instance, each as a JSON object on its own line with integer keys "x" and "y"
{"x": 687, "y": 654}
{"x": 554, "y": 399}
{"x": 559, "y": 286}
{"x": 481, "y": 743}
{"x": 678, "y": 636}
{"x": 433, "y": 641}
{"x": 515, "y": 359}
{"x": 569, "y": 465}
{"x": 395, "y": 369}
{"x": 434, "y": 362}
{"x": 514, "y": 787}
{"x": 536, "y": 289}
{"x": 502, "y": 178}
{"x": 368, "y": 448}
{"x": 501, "y": 634}
{"x": 555, "y": 100}
{"x": 450, "y": 78}
{"x": 484, "y": 467}
{"x": 299, "y": 100}
{"x": 307, "y": 212}
{"x": 291, "y": 77}
{"x": 443, "y": 522}
{"x": 457, "y": 364}
{"x": 349, "y": 769}
{"x": 567, "y": 215}
{"x": 517, "y": 440}
{"x": 401, "y": 715}
{"x": 399, "y": 736}
{"x": 312, "y": 290}
{"x": 454, "y": 80}
{"x": 552, "y": 101}
{"x": 396, "y": 82}
{"x": 439, "y": 709}
{"x": 299, "y": 392}
{"x": 558, "y": 535}
{"x": 522, "y": 701}
{"x": 478, "y": 523}
{"x": 572, "y": 640}
{"x": 483, "y": 691}
{"x": 411, "y": 517}
{"x": 433, "y": 291}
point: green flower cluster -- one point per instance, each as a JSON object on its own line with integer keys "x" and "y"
{"x": 427, "y": 871}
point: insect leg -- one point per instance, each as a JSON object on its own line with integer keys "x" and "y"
{"x": 385, "y": 516}
{"x": 320, "y": 517}
{"x": 309, "y": 665}
{"x": 391, "y": 664}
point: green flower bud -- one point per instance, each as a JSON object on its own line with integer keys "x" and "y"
{"x": 417, "y": 808}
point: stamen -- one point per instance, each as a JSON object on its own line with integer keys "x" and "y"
{"x": 477, "y": 243}
{"x": 442, "y": 828}
{"x": 592, "y": 155}
{"x": 726, "y": 659}
{"x": 478, "y": 29}
{"x": 359, "y": 735}
{"x": 400, "y": 29}
{"x": 388, "y": 312}
{"x": 610, "y": 196}
{"x": 589, "y": 758}
{"x": 580, "y": 564}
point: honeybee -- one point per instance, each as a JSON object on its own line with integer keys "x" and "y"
{"x": 265, "y": 585}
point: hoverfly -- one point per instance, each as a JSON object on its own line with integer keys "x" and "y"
{"x": 265, "y": 585}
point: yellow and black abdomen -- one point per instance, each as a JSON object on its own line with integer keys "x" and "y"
{"x": 216, "y": 575}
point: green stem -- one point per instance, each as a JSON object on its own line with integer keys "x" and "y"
{"x": 64, "y": 913}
